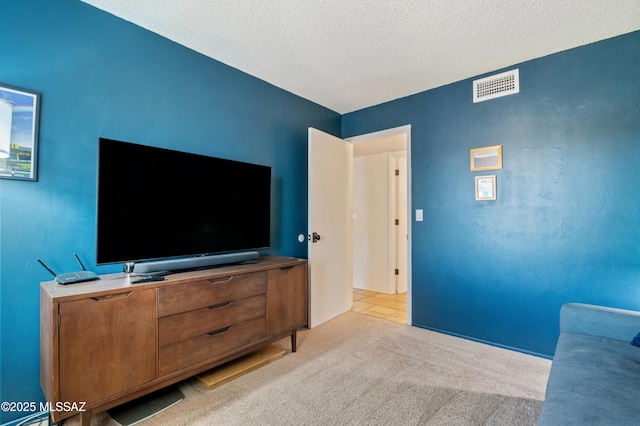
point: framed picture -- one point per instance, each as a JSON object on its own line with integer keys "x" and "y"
{"x": 485, "y": 188}
{"x": 19, "y": 116}
{"x": 487, "y": 158}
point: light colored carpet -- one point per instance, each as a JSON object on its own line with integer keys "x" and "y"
{"x": 360, "y": 370}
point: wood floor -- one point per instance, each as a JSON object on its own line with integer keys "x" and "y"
{"x": 391, "y": 307}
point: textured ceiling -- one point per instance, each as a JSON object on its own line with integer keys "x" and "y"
{"x": 351, "y": 54}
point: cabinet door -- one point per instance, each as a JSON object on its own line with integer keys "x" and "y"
{"x": 107, "y": 344}
{"x": 286, "y": 299}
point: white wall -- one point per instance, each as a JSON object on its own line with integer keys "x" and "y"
{"x": 371, "y": 263}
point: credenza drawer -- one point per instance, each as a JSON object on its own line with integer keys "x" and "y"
{"x": 183, "y": 326}
{"x": 180, "y": 298}
{"x": 209, "y": 346}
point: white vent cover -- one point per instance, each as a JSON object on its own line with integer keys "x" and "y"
{"x": 495, "y": 86}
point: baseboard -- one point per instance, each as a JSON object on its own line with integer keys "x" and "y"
{"x": 486, "y": 342}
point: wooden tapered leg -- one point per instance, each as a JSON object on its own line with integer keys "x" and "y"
{"x": 294, "y": 335}
{"x": 85, "y": 418}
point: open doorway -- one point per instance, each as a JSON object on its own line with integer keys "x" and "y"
{"x": 381, "y": 214}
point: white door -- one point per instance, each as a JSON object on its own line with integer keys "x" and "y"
{"x": 330, "y": 228}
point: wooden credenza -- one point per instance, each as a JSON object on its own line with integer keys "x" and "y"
{"x": 106, "y": 342}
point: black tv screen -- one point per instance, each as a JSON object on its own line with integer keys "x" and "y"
{"x": 155, "y": 203}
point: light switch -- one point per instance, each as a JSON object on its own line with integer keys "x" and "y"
{"x": 418, "y": 215}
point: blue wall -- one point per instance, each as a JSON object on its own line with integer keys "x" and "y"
{"x": 565, "y": 227}
{"x": 566, "y": 224}
{"x": 101, "y": 76}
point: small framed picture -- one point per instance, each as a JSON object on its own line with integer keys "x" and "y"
{"x": 485, "y": 188}
{"x": 19, "y": 109}
{"x": 487, "y": 158}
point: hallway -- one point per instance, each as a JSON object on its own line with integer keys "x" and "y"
{"x": 391, "y": 307}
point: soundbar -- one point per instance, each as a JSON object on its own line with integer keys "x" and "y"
{"x": 199, "y": 262}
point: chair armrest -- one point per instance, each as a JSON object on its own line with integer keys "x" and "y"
{"x": 600, "y": 321}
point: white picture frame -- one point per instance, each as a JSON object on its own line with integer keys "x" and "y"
{"x": 485, "y": 188}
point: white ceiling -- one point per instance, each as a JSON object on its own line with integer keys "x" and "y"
{"x": 351, "y": 54}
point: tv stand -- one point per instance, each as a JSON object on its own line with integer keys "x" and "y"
{"x": 198, "y": 262}
{"x": 108, "y": 342}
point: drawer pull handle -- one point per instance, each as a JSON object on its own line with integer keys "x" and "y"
{"x": 284, "y": 268}
{"x": 214, "y": 281}
{"x": 112, "y": 296}
{"x": 220, "y": 331}
{"x": 219, "y": 305}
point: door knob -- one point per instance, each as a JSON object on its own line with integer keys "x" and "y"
{"x": 314, "y": 238}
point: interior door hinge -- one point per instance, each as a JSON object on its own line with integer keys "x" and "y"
{"x": 397, "y": 272}
{"x": 397, "y": 172}
{"x": 397, "y": 221}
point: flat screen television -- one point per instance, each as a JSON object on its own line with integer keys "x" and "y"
{"x": 156, "y": 203}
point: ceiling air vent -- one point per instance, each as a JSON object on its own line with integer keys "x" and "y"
{"x": 495, "y": 86}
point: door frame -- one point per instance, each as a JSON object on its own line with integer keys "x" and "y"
{"x": 398, "y": 161}
{"x": 401, "y": 130}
